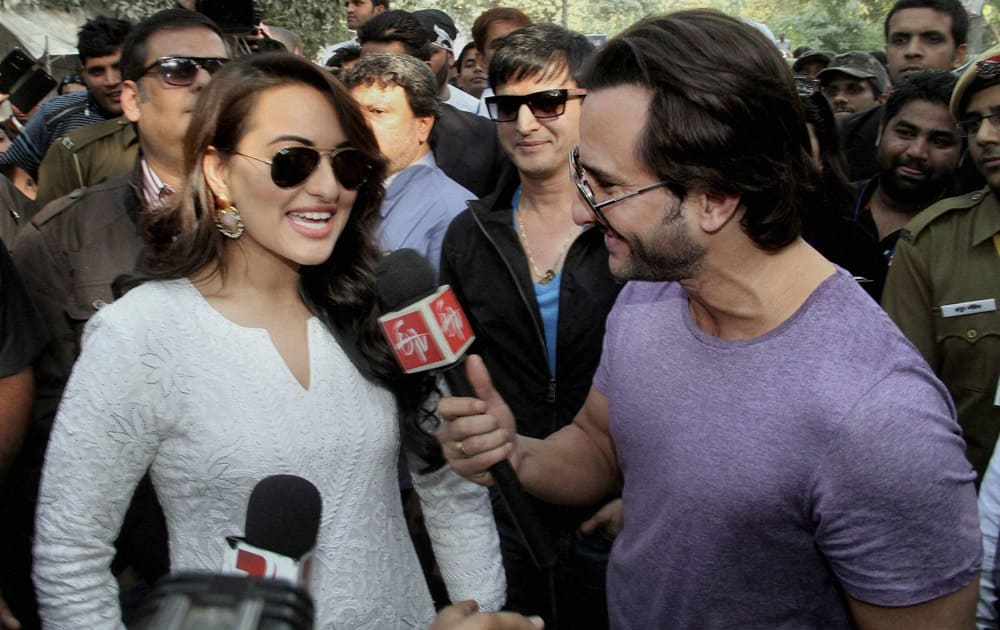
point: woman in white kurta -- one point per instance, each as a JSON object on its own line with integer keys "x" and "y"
{"x": 256, "y": 353}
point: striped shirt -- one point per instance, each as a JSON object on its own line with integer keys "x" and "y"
{"x": 54, "y": 119}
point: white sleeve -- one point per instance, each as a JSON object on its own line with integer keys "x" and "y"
{"x": 989, "y": 522}
{"x": 463, "y": 533}
{"x": 103, "y": 440}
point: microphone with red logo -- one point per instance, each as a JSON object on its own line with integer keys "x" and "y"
{"x": 282, "y": 522}
{"x": 265, "y": 574}
{"x": 428, "y": 330}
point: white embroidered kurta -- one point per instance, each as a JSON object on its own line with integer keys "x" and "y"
{"x": 165, "y": 382}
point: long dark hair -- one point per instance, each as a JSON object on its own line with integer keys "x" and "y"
{"x": 183, "y": 240}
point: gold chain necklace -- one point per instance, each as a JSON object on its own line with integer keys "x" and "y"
{"x": 549, "y": 274}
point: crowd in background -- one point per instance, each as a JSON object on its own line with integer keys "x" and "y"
{"x": 189, "y": 232}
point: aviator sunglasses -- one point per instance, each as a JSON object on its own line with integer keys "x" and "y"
{"x": 181, "y": 71}
{"x": 544, "y": 104}
{"x": 291, "y": 166}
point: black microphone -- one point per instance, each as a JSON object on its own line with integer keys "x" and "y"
{"x": 265, "y": 573}
{"x": 404, "y": 277}
{"x": 282, "y": 521}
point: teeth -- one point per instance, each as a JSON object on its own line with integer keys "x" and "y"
{"x": 312, "y": 216}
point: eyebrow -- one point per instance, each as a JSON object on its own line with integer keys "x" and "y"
{"x": 601, "y": 176}
{"x": 293, "y": 138}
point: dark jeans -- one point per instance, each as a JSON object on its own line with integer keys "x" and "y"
{"x": 578, "y": 579}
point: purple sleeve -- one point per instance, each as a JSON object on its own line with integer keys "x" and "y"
{"x": 894, "y": 499}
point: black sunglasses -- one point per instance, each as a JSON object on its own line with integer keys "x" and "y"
{"x": 181, "y": 71}
{"x": 291, "y": 166}
{"x": 544, "y": 104}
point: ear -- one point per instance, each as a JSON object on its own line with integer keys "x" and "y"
{"x": 378, "y": 8}
{"x": 216, "y": 169}
{"x": 878, "y": 134}
{"x": 424, "y": 126}
{"x": 960, "y": 54}
{"x": 714, "y": 210}
{"x": 130, "y": 100}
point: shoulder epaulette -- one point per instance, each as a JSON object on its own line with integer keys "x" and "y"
{"x": 940, "y": 209}
{"x": 87, "y": 134}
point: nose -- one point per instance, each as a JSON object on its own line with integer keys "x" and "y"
{"x": 582, "y": 214}
{"x": 917, "y": 148}
{"x": 526, "y": 121}
{"x": 989, "y": 131}
{"x": 201, "y": 79}
{"x": 913, "y": 49}
{"x": 322, "y": 183}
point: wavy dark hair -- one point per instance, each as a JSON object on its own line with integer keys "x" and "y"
{"x": 183, "y": 241}
{"x": 539, "y": 51}
{"x": 720, "y": 120}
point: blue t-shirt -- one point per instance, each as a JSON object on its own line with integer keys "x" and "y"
{"x": 547, "y": 296}
{"x": 761, "y": 473}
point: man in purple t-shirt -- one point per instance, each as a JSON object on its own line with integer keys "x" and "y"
{"x": 786, "y": 458}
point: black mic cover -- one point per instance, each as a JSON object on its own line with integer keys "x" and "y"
{"x": 403, "y": 277}
{"x": 283, "y": 515}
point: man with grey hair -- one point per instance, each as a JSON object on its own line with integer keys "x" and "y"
{"x": 398, "y": 94}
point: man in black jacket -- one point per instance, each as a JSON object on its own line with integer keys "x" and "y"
{"x": 537, "y": 289}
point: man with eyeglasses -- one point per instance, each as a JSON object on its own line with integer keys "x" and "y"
{"x": 536, "y": 289}
{"x": 786, "y": 458}
{"x": 79, "y": 252}
{"x": 943, "y": 287}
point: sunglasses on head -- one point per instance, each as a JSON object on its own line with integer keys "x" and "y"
{"x": 544, "y": 104}
{"x": 291, "y": 166}
{"x": 181, "y": 71}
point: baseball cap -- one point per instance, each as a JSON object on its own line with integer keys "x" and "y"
{"x": 823, "y": 56}
{"x": 440, "y": 26}
{"x": 859, "y": 65}
{"x": 981, "y": 74}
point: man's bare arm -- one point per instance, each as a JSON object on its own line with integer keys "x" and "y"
{"x": 576, "y": 465}
{"x": 16, "y": 392}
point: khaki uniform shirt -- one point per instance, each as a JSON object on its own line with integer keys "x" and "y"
{"x": 69, "y": 256}
{"x": 87, "y": 156}
{"x": 943, "y": 290}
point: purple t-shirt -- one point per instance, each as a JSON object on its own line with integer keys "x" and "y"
{"x": 762, "y": 475}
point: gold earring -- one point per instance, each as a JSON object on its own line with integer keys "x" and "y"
{"x": 227, "y": 217}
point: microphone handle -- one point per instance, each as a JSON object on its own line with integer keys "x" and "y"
{"x": 535, "y": 538}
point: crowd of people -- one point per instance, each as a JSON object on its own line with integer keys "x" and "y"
{"x": 736, "y": 321}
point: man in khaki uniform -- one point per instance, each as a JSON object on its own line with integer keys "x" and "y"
{"x": 943, "y": 287}
{"x": 87, "y": 156}
{"x": 73, "y": 257}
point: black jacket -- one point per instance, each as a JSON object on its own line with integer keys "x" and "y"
{"x": 483, "y": 261}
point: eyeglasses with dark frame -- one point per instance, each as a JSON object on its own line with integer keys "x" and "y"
{"x": 970, "y": 126}
{"x": 579, "y": 177}
{"x": 543, "y": 104}
{"x": 290, "y": 166}
{"x": 181, "y": 71}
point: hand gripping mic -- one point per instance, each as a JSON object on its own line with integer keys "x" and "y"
{"x": 265, "y": 573}
{"x": 427, "y": 329}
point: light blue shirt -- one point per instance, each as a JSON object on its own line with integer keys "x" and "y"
{"x": 420, "y": 202}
